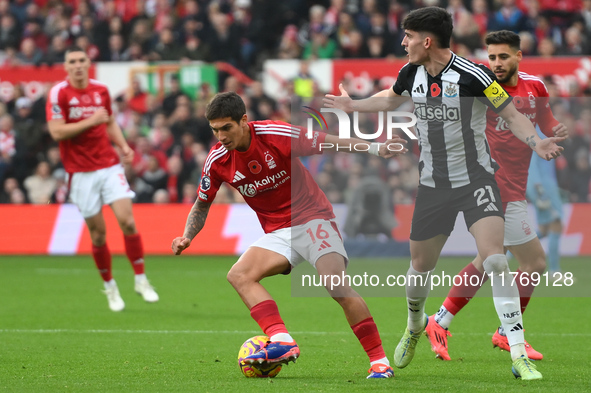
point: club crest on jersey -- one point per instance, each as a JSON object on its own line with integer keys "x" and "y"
{"x": 435, "y": 90}
{"x": 97, "y": 98}
{"x": 532, "y": 99}
{"x": 270, "y": 160}
{"x": 205, "y": 183}
{"x": 451, "y": 90}
{"x": 255, "y": 167}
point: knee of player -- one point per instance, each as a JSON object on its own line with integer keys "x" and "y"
{"x": 496, "y": 263}
{"x": 539, "y": 265}
{"x": 98, "y": 237}
{"x": 238, "y": 277}
{"x": 128, "y": 226}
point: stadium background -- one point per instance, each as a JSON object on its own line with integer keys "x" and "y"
{"x": 57, "y": 333}
{"x": 163, "y": 60}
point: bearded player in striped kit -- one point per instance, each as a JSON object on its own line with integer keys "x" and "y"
{"x": 451, "y": 97}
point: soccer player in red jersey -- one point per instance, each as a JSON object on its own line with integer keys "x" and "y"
{"x": 79, "y": 116}
{"x": 258, "y": 159}
{"x": 530, "y": 98}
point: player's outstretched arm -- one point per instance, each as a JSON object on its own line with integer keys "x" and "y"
{"x": 523, "y": 129}
{"x": 195, "y": 222}
{"x": 382, "y": 101}
{"x": 60, "y": 130}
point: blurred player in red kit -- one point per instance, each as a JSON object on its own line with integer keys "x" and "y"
{"x": 80, "y": 118}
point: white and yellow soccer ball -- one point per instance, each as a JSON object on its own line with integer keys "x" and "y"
{"x": 249, "y": 347}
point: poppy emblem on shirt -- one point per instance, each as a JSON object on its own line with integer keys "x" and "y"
{"x": 255, "y": 167}
{"x": 435, "y": 90}
{"x": 205, "y": 183}
{"x": 518, "y": 102}
{"x": 85, "y": 99}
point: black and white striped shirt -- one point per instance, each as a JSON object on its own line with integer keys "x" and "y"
{"x": 451, "y": 120}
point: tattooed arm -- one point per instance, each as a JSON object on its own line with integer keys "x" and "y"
{"x": 195, "y": 223}
{"x": 523, "y": 129}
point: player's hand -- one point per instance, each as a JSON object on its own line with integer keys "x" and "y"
{"x": 127, "y": 155}
{"x": 342, "y": 102}
{"x": 560, "y": 130}
{"x": 179, "y": 244}
{"x": 548, "y": 148}
{"x": 393, "y": 147}
{"x": 100, "y": 116}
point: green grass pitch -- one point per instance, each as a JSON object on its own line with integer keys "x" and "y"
{"x": 58, "y": 335}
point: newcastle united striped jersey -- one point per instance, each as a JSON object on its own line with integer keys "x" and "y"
{"x": 451, "y": 120}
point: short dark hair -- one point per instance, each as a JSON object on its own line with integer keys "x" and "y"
{"x": 434, "y": 20}
{"x": 74, "y": 48}
{"x": 228, "y": 104}
{"x": 503, "y": 37}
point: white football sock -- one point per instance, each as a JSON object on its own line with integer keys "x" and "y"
{"x": 507, "y": 303}
{"x": 380, "y": 361}
{"x": 443, "y": 317}
{"x": 417, "y": 291}
{"x": 110, "y": 284}
{"x": 283, "y": 337}
{"x": 140, "y": 277}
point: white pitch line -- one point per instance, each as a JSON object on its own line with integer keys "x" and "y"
{"x": 245, "y": 332}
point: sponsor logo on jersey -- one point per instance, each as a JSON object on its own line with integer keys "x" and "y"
{"x": 248, "y": 190}
{"x": 315, "y": 139}
{"x": 451, "y": 90}
{"x": 203, "y": 196}
{"x": 255, "y": 167}
{"x": 205, "y": 183}
{"x": 74, "y": 101}
{"x": 440, "y": 113}
{"x": 270, "y": 160}
{"x": 273, "y": 181}
{"x": 496, "y": 94}
{"x": 503, "y": 126}
{"x": 77, "y": 112}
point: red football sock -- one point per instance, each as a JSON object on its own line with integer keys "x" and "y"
{"x": 525, "y": 291}
{"x": 369, "y": 337}
{"x": 266, "y": 314}
{"x": 134, "y": 249}
{"x": 102, "y": 259}
{"x": 460, "y": 295}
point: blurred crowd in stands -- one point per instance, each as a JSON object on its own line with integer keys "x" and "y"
{"x": 171, "y": 137}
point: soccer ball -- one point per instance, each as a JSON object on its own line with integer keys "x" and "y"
{"x": 249, "y": 347}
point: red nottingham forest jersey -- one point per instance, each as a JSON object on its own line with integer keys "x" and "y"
{"x": 278, "y": 188}
{"x": 91, "y": 149}
{"x": 530, "y": 97}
